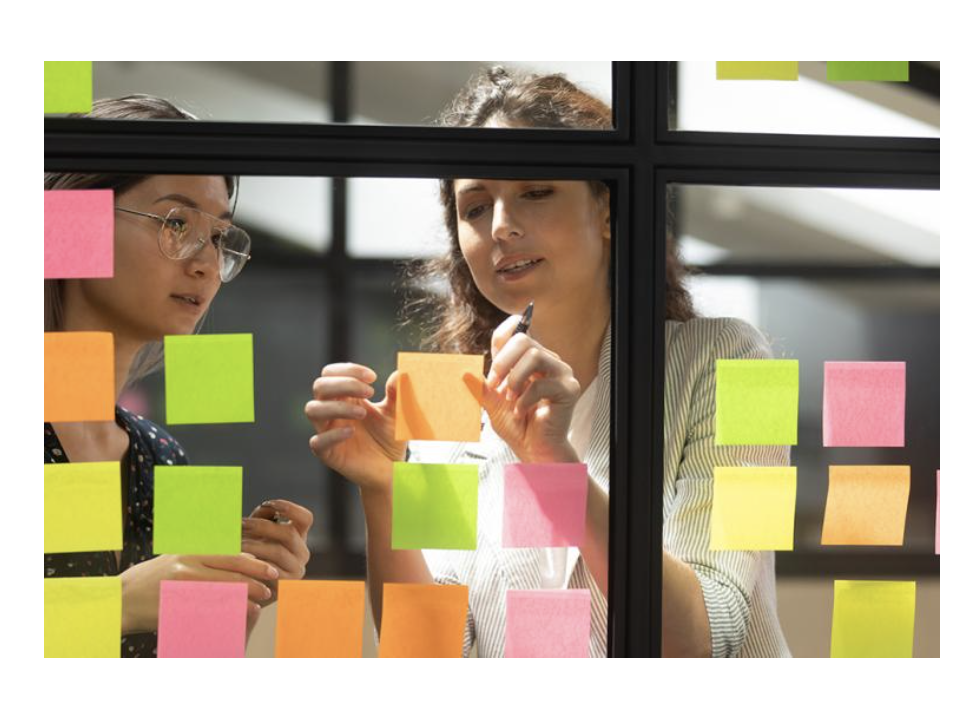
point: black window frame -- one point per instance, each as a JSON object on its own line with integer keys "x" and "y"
{"x": 640, "y": 157}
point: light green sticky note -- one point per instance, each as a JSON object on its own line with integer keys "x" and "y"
{"x": 435, "y": 506}
{"x": 82, "y": 617}
{"x": 82, "y": 507}
{"x": 780, "y": 70}
{"x": 850, "y": 70}
{"x": 209, "y": 379}
{"x": 197, "y": 510}
{"x": 67, "y": 86}
{"x": 873, "y": 618}
{"x": 757, "y": 402}
{"x": 753, "y": 508}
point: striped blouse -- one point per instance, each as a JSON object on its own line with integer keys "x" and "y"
{"x": 738, "y": 587}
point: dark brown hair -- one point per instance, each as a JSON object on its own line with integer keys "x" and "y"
{"x": 130, "y": 107}
{"x": 463, "y": 319}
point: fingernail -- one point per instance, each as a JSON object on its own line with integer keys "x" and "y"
{"x": 267, "y": 593}
{"x": 272, "y": 572}
{"x": 492, "y": 380}
{"x": 270, "y": 503}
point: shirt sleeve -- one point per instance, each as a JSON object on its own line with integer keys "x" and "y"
{"x": 726, "y": 577}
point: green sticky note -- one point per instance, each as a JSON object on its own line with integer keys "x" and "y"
{"x": 757, "y": 402}
{"x": 753, "y": 508}
{"x": 850, "y": 70}
{"x": 757, "y": 70}
{"x": 873, "y": 618}
{"x": 67, "y": 87}
{"x": 197, "y": 510}
{"x": 83, "y": 617}
{"x": 209, "y": 379}
{"x": 435, "y": 506}
{"x": 82, "y": 507}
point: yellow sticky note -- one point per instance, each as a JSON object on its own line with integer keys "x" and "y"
{"x": 873, "y": 619}
{"x": 866, "y": 505}
{"x": 83, "y": 617}
{"x": 82, "y": 507}
{"x": 434, "y": 401}
{"x": 753, "y": 508}
{"x": 67, "y": 86}
{"x": 767, "y": 70}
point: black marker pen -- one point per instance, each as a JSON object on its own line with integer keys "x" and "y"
{"x": 524, "y": 324}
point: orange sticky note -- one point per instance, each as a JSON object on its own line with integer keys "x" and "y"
{"x": 319, "y": 619}
{"x": 867, "y": 505}
{"x": 434, "y": 401}
{"x": 423, "y": 620}
{"x": 79, "y": 377}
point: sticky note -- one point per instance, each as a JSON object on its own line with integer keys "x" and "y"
{"x": 873, "y": 619}
{"x": 863, "y": 404}
{"x": 887, "y": 71}
{"x": 756, "y": 402}
{"x": 82, "y": 507}
{"x": 866, "y": 505}
{"x": 196, "y": 510}
{"x": 79, "y": 232}
{"x": 548, "y": 623}
{"x": 727, "y": 70}
{"x": 319, "y": 618}
{"x": 83, "y": 617}
{"x": 434, "y": 402}
{"x": 423, "y": 621}
{"x": 202, "y": 619}
{"x": 79, "y": 377}
{"x": 753, "y": 508}
{"x": 937, "y": 532}
{"x": 435, "y": 506}
{"x": 209, "y": 378}
{"x": 67, "y": 86}
{"x": 544, "y": 505}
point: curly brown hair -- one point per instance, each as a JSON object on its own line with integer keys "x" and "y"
{"x": 462, "y": 320}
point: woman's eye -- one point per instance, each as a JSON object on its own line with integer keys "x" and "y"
{"x": 473, "y": 212}
{"x": 538, "y": 194}
{"x": 177, "y": 226}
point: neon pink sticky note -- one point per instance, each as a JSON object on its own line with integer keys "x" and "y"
{"x": 79, "y": 228}
{"x": 544, "y": 504}
{"x": 548, "y": 623}
{"x": 202, "y": 619}
{"x": 864, "y": 404}
{"x": 937, "y": 532}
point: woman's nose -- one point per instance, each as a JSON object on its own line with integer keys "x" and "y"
{"x": 505, "y": 225}
{"x": 207, "y": 259}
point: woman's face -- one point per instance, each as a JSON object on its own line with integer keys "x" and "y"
{"x": 542, "y": 240}
{"x": 151, "y": 295}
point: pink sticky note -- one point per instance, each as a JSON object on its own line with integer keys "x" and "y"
{"x": 548, "y": 623}
{"x": 864, "y": 404}
{"x": 544, "y": 504}
{"x": 937, "y": 533}
{"x": 79, "y": 228}
{"x": 202, "y": 619}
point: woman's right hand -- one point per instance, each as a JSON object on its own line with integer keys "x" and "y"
{"x": 141, "y": 583}
{"x": 355, "y": 437}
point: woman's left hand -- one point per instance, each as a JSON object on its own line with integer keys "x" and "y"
{"x": 529, "y": 396}
{"x": 282, "y": 544}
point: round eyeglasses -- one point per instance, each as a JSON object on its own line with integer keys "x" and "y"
{"x": 185, "y": 231}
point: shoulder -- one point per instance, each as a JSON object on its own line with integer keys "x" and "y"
{"x": 706, "y": 339}
{"x": 163, "y": 447}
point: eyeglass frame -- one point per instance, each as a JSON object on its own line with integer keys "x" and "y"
{"x": 163, "y": 220}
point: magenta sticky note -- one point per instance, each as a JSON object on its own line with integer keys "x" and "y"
{"x": 202, "y": 619}
{"x": 937, "y": 532}
{"x": 544, "y": 504}
{"x": 548, "y": 623}
{"x": 79, "y": 229}
{"x": 864, "y": 404}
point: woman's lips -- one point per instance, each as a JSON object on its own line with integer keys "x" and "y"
{"x": 519, "y": 270}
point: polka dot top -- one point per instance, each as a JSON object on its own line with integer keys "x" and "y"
{"x": 149, "y": 445}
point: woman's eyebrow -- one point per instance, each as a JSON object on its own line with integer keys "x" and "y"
{"x": 476, "y": 187}
{"x": 184, "y": 200}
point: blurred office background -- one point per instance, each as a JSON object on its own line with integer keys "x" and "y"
{"x": 827, "y": 274}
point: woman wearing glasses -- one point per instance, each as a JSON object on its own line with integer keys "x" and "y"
{"x": 547, "y": 399}
{"x": 174, "y": 246}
